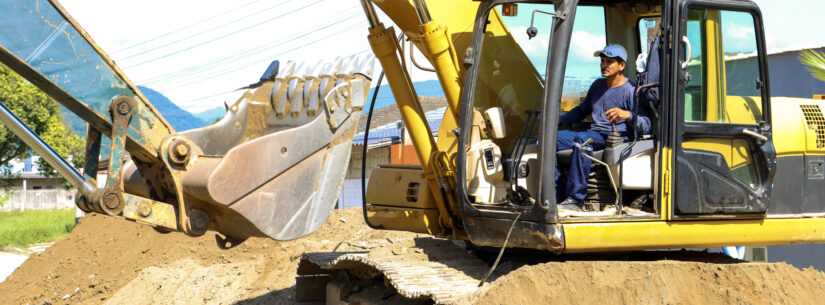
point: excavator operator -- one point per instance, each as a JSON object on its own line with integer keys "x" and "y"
{"x": 609, "y": 102}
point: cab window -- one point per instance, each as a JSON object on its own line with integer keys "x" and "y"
{"x": 589, "y": 35}
{"x": 723, "y": 75}
{"x": 648, "y": 29}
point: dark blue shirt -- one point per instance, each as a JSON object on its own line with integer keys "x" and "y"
{"x": 601, "y": 98}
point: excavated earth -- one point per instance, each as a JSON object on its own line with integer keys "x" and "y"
{"x": 111, "y": 261}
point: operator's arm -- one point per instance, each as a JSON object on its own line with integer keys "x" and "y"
{"x": 642, "y": 120}
{"x": 624, "y": 113}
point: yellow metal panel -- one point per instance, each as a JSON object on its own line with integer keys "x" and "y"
{"x": 740, "y": 155}
{"x": 660, "y": 234}
{"x": 405, "y": 219}
{"x": 743, "y": 109}
{"x": 714, "y": 68}
{"x": 447, "y": 141}
{"x": 457, "y": 17}
{"x": 721, "y": 146}
{"x": 791, "y": 134}
{"x": 400, "y": 187}
{"x": 665, "y": 190}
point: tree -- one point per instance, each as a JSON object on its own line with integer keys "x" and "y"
{"x": 65, "y": 142}
{"x": 42, "y": 115}
{"x": 32, "y": 107}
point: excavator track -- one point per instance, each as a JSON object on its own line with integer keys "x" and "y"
{"x": 436, "y": 271}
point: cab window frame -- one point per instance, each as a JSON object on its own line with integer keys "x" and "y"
{"x": 762, "y": 62}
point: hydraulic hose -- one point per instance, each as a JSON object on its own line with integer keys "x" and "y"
{"x": 364, "y": 154}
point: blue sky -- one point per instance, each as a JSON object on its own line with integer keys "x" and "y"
{"x": 782, "y": 32}
{"x": 588, "y": 37}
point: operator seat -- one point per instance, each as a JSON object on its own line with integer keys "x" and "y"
{"x": 610, "y": 155}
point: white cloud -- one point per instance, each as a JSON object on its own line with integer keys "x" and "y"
{"x": 532, "y": 47}
{"x": 584, "y": 44}
{"x": 792, "y": 24}
{"x": 740, "y": 31}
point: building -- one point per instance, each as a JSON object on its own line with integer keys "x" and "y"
{"x": 387, "y": 144}
{"x": 24, "y": 188}
{"x": 25, "y": 174}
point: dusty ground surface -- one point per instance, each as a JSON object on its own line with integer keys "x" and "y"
{"x": 110, "y": 261}
{"x": 660, "y": 282}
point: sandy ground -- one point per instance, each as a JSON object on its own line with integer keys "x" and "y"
{"x": 9, "y": 262}
{"x": 661, "y": 282}
{"x": 110, "y": 261}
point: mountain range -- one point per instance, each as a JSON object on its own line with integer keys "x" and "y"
{"x": 180, "y": 119}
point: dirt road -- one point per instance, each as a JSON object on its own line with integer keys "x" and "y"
{"x": 109, "y": 261}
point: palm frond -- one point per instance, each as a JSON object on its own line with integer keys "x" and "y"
{"x": 815, "y": 61}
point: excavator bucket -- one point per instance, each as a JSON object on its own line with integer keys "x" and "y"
{"x": 273, "y": 166}
{"x": 279, "y": 157}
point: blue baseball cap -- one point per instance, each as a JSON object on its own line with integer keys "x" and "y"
{"x": 613, "y": 51}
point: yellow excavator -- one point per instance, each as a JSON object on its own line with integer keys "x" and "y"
{"x": 725, "y": 164}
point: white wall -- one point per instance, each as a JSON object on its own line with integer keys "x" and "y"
{"x": 38, "y": 200}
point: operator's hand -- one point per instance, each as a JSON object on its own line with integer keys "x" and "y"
{"x": 617, "y": 115}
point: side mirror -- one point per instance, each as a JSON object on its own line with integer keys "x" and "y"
{"x": 532, "y": 32}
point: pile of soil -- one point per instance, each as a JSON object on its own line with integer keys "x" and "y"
{"x": 655, "y": 282}
{"x": 111, "y": 261}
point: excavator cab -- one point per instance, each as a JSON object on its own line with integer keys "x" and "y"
{"x": 700, "y": 74}
{"x": 532, "y": 61}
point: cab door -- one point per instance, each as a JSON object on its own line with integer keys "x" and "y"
{"x": 725, "y": 158}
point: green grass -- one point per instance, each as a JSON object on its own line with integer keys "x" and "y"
{"x": 20, "y": 229}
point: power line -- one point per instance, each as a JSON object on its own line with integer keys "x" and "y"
{"x": 200, "y": 68}
{"x": 205, "y": 31}
{"x": 286, "y": 52}
{"x": 245, "y": 60}
{"x": 233, "y": 90}
{"x": 188, "y": 26}
{"x": 256, "y": 61}
{"x": 221, "y": 36}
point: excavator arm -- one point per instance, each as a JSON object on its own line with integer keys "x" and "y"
{"x": 443, "y": 32}
{"x": 272, "y": 167}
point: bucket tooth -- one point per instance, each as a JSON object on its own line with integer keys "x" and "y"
{"x": 295, "y": 91}
{"x": 312, "y": 85}
{"x": 280, "y": 89}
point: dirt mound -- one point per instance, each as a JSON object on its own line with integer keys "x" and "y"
{"x": 655, "y": 282}
{"x": 115, "y": 262}
{"x": 106, "y": 260}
